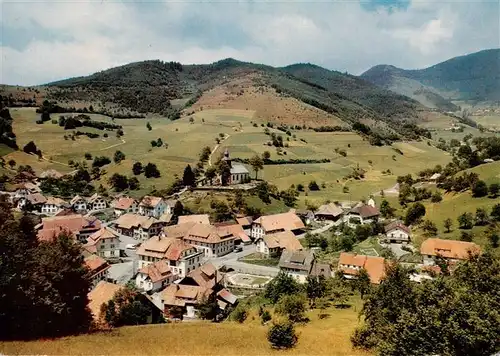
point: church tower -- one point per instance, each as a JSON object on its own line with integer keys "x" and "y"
{"x": 226, "y": 158}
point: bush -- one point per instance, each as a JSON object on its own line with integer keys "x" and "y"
{"x": 313, "y": 186}
{"x": 265, "y": 317}
{"x": 480, "y": 189}
{"x": 100, "y": 161}
{"x": 282, "y": 336}
{"x": 293, "y": 306}
{"x": 239, "y": 314}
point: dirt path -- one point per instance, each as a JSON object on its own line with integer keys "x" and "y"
{"x": 115, "y": 145}
{"x": 394, "y": 190}
{"x": 215, "y": 149}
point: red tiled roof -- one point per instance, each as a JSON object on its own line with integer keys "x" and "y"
{"x": 124, "y": 203}
{"x": 157, "y": 271}
{"x": 448, "y": 248}
{"x": 285, "y": 221}
{"x": 375, "y": 266}
{"x": 365, "y": 211}
{"x": 395, "y": 225}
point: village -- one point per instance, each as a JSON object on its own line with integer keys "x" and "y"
{"x": 177, "y": 261}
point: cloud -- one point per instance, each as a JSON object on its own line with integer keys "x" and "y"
{"x": 45, "y": 41}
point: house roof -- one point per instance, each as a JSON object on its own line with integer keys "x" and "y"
{"x": 150, "y": 201}
{"x": 203, "y": 276}
{"x": 75, "y": 199}
{"x": 51, "y": 173}
{"x": 36, "y": 198}
{"x": 374, "y": 266}
{"x": 95, "y": 263}
{"x": 284, "y": 221}
{"x": 227, "y": 296}
{"x": 208, "y": 233}
{"x": 284, "y": 240}
{"x": 123, "y": 203}
{"x": 321, "y": 269}
{"x": 179, "y": 294}
{"x": 199, "y": 219}
{"x": 330, "y": 210}
{"x": 435, "y": 176}
{"x": 397, "y": 225}
{"x": 301, "y": 260}
{"x": 55, "y": 201}
{"x": 448, "y": 248}
{"x": 365, "y": 211}
{"x": 177, "y": 231}
{"x": 238, "y": 169}
{"x": 102, "y": 234}
{"x": 28, "y": 186}
{"x": 129, "y": 220}
{"x": 157, "y": 271}
{"x": 236, "y": 230}
{"x": 164, "y": 247}
{"x": 73, "y": 224}
{"x": 102, "y": 293}
{"x": 165, "y": 218}
{"x": 244, "y": 221}
{"x": 94, "y": 197}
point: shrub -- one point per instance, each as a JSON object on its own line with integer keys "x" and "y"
{"x": 239, "y": 314}
{"x": 265, "y": 317}
{"x": 313, "y": 186}
{"x": 282, "y": 336}
{"x": 88, "y": 156}
{"x": 293, "y": 306}
{"x": 100, "y": 161}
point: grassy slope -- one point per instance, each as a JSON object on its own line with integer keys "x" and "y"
{"x": 328, "y": 336}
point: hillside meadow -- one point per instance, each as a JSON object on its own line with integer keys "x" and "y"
{"x": 245, "y": 138}
{"x": 329, "y": 336}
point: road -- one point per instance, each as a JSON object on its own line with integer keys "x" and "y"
{"x": 215, "y": 149}
{"x": 319, "y": 230}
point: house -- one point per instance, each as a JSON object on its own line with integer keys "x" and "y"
{"x": 350, "y": 264}
{"x": 77, "y": 225}
{"x": 101, "y": 294}
{"x": 138, "y": 226}
{"x": 269, "y": 224}
{"x": 52, "y": 206}
{"x": 182, "y": 257}
{"x": 297, "y": 264}
{"x": 245, "y": 222}
{"x": 152, "y": 206}
{"x": 177, "y": 231}
{"x": 213, "y": 241}
{"x": 78, "y": 204}
{"x": 307, "y": 216}
{"x": 272, "y": 245}
{"x": 155, "y": 276}
{"x": 125, "y": 205}
{"x": 197, "y": 219}
{"x": 397, "y": 232}
{"x": 239, "y": 174}
{"x": 105, "y": 243}
{"x": 35, "y": 201}
{"x": 450, "y": 250}
{"x": 362, "y": 214}
{"x": 51, "y": 173}
{"x": 96, "y": 202}
{"x": 97, "y": 266}
{"x": 22, "y": 190}
{"x": 240, "y": 236}
{"x": 435, "y": 177}
{"x": 331, "y": 212}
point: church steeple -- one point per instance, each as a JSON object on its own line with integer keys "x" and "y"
{"x": 226, "y": 157}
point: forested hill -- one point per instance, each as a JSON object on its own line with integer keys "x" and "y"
{"x": 474, "y": 77}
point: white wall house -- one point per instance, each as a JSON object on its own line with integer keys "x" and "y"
{"x": 272, "y": 245}
{"x": 449, "y": 250}
{"x": 137, "y": 226}
{"x": 297, "y": 264}
{"x": 397, "y": 232}
{"x": 52, "y": 206}
{"x": 96, "y": 202}
{"x": 213, "y": 241}
{"x": 125, "y": 205}
{"x": 79, "y": 204}
{"x": 154, "y": 277}
{"x": 104, "y": 243}
{"x": 269, "y": 224}
{"x": 152, "y": 206}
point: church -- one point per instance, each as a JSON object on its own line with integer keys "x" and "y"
{"x": 239, "y": 174}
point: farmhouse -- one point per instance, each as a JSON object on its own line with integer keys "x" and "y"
{"x": 154, "y": 277}
{"x": 331, "y": 212}
{"x": 78, "y": 204}
{"x": 177, "y": 231}
{"x": 96, "y": 202}
{"x": 137, "y": 226}
{"x": 276, "y": 223}
{"x": 77, "y": 225}
{"x": 34, "y": 201}
{"x": 104, "y": 243}
{"x": 350, "y": 265}
{"x": 362, "y": 214}
{"x": 98, "y": 267}
{"x": 181, "y": 257}
{"x": 125, "y": 205}
{"x": 397, "y": 232}
{"x": 245, "y": 222}
{"x": 196, "y": 219}
{"x": 101, "y": 294}
{"x": 298, "y": 264}
{"x": 213, "y": 241}
{"x": 24, "y": 189}
{"x": 240, "y": 236}
{"x": 152, "y": 206}
{"x": 52, "y": 206}
{"x": 450, "y": 250}
{"x": 272, "y": 245}
{"x": 239, "y": 174}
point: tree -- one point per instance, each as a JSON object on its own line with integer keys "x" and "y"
{"x": 224, "y": 171}
{"x": 494, "y": 238}
{"x": 153, "y": 143}
{"x": 30, "y": 147}
{"x": 11, "y": 163}
{"x": 282, "y": 336}
{"x": 313, "y": 186}
{"x": 386, "y": 209}
{"x": 448, "y": 223}
{"x": 494, "y": 189}
{"x": 148, "y": 125}
{"x": 178, "y": 208}
{"x": 207, "y": 308}
{"x": 88, "y": 156}
{"x": 100, "y": 161}
{"x": 414, "y": 213}
{"x": 150, "y": 171}
{"x": 266, "y": 155}
{"x": 466, "y": 236}
{"x": 481, "y": 217}
{"x": 480, "y": 189}
{"x": 159, "y": 142}
{"x": 363, "y": 283}
{"x": 289, "y": 196}
{"x": 315, "y": 288}
{"x": 436, "y": 197}
{"x": 282, "y": 284}
{"x": 256, "y": 163}
{"x": 495, "y": 212}
{"x": 210, "y": 174}
{"x": 292, "y": 306}
{"x": 188, "y": 178}
{"x": 119, "y": 156}
{"x": 429, "y": 228}
{"x": 119, "y": 182}
{"x": 137, "y": 168}
{"x": 133, "y": 183}
{"x": 466, "y": 221}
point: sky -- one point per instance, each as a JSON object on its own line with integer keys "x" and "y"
{"x": 43, "y": 41}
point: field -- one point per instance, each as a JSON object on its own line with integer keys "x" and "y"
{"x": 185, "y": 141}
{"x": 329, "y": 336}
{"x": 490, "y": 121}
